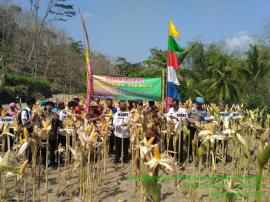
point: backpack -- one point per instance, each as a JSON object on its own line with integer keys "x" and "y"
{"x": 20, "y": 116}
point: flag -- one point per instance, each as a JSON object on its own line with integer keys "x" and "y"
{"x": 173, "y": 31}
{"x": 173, "y": 65}
{"x": 88, "y": 67}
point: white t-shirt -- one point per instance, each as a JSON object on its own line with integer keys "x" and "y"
{"x": 25, "y": 116}
{"x": 62, "y": 115}
{"x": 180, "y": 114}
{"x": 227, "y": 116}
{"x": 236, "y": 115}
{"x": 119, "y": 130}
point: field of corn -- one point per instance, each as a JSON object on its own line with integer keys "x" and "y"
{"x": 230, "y": 161}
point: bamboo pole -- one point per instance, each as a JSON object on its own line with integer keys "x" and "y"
{"x": 0, "y": 185}
{"x": 94, "y": 175}
{"x": 88, "y": 174}
{"x": 105, "y": 152}
{"x": 34, "y": 156}
{"x": 39, "y": 168}
{"x": 24, "y": 188}
{"x": 67, "y": 152}
{"x": 58, "y": 169}
{"x": 47, "y": 152}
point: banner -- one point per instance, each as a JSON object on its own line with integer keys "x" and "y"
{"x": 127, "y": 88}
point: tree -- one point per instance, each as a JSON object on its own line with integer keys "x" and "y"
{"x": 256, "y": 68}
{"x": 55, "y": 10}
{"x": 158, "y": 59}
{"x": 223, "y": 84}
{"x": 125, "y": 68}
{"x": 197, "y": 60}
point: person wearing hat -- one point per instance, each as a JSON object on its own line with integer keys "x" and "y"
{"x": 196, "y": 114}
{"x": 42, "y": 103}
{"x": 13, "y": 110}
{"x": 95, "y": 113}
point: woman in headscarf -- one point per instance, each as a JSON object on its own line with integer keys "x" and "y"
{"x": 13, "y": 110}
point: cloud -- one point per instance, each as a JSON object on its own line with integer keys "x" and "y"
{"x": 240, "y": 42}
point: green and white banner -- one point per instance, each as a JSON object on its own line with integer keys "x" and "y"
{"x": 127, "y": 88}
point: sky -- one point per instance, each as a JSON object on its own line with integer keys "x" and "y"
{"x": 129, "y": 28}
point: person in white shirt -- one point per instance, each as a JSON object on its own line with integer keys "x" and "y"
{"x": 62, "y": 112}
{"x": 121, "y": 131}
{"x": 26, "y": 115}
{"x": 27, "y": 122}
{"x": 178, "y": 115}
{"x": 226, "y": 116}
{"x": 61, "y": 134}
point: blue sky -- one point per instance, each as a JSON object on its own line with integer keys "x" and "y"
{"x": 129, "y": 28}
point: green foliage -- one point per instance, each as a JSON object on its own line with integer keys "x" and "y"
{"x": 125, "y": 68}
{"x": 210, "y": 72}
{"x": 222, "y": 85}
{"x": 206, "y": 70}
{"x": 24, "y": 86}
{"x": 150, "y": 184}
{"x": 158, "y": 59}
{"x": 256, "y": 67}
{"x": 254, "y": 102}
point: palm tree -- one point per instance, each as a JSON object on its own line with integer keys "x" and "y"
{"x": 158, "y": 59}
{"x": 222, "y": 84}
{"x": 125, "y": 68}
{"x": 256, "y": 69}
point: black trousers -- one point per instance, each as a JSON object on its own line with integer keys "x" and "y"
{"x": 111, "y": 143}
{"x": 29, "y": 150}
{"x": 118, "y": 148}
{"x": 61, "y": 140}
{"x": 52, "y": 148}
{"x": 192, "y": 134}
{"x": 43, "y": 154}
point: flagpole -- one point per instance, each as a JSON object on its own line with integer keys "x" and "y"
{"x": 163, "y": 89}
{"x": 88, "y": 64}
{"x": 164, "y": 92}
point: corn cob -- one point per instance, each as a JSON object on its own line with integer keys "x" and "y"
{"x": 150, "y": 141}
{"x": 156, "y": 152}
{"x": 25, "y": 134}
{"x": 23, "y": 167}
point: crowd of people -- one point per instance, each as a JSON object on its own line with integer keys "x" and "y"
{"x": 150, "y": 114}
